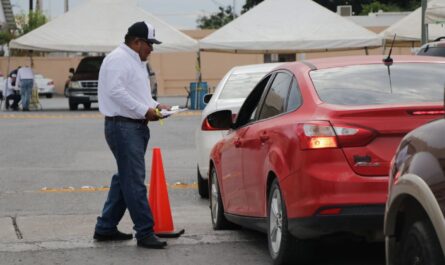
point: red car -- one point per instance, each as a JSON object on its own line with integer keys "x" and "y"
{"x": 309, "y": 152}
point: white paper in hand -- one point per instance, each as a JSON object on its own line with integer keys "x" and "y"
{"x": 173, "y": 110}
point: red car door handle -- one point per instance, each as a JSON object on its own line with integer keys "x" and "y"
{"x": 264, "y": 137}
{"x": 237, "y": 143}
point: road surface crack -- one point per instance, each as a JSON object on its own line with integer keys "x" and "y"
{"x": 16, "y": 227}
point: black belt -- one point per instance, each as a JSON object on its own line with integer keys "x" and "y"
{"x": 125, "y": 119}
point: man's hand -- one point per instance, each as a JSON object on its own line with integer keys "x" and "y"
{"x": 163, "y": 106}
{"x": 152, "y": 115}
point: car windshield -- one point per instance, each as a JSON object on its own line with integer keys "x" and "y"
{"x": 90, "y": 65}
{"x": 240, "y": 85}
{"x": 375, "y": 85}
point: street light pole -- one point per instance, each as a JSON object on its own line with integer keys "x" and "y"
{"x": 66, "y": 6}
{"x": 424, "y": 27}
{"x": 30, "y": 5}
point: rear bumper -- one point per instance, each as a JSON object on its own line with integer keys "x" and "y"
{"x": 325, "y": 180}
{"x": 364, "y": 220}
{"x": 325, "y": 196}
{"x": 46, "y": 91}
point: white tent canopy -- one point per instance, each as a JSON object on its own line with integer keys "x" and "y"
{"x": 435, "y": 12}
{"x": 100, "y": 26}
{"x": 289, "y": 25}
{"x": 409, "y": 28}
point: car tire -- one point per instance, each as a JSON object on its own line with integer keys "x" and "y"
{"x": 420, "y": 245}
{"x": 73, "y": 106}
{"x": 87, "y": 105}
{"x": 219, "y": 221}
{"x": 203, "y": 185}
{"x": 283, "y": 247}
{"x": 49, "y": 95}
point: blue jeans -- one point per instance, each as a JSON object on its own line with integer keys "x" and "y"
{"x": 26, "y": 91}
{"x": 128, "y": 141}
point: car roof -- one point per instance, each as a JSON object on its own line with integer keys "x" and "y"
{"x": 332, "y": 62}
{"x": 251, "y": 68}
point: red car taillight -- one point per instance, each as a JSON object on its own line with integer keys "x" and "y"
{"x": 207, "y": 127}
{"x": 321, "y": 134}
{"x": 316, "y": 135}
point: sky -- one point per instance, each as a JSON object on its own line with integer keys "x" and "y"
{"x": 181, "y": 14}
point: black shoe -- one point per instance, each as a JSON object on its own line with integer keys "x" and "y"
{"x": 118, "y": 236}
{"x": 152, "y": 242}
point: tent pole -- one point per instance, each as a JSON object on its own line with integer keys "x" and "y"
{"x": 384, "y": 47}
{"x": 9, "y": 62}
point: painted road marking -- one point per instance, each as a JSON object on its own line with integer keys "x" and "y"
{"x": 77, "y": 116}
{"x": 177, "y": 185}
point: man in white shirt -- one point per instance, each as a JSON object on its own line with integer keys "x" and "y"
{"x": 10, "y": 93}
{"x": 126, "y": 101}
{"x": 25, "y": 81}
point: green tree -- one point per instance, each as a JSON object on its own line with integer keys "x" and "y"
{"x": 376, "y": 6}
{"x": 359, "y": 5}
{"x": 249, "y": 4}
{"x": 27, "y": 23}
{"x": 6, "y": 36}
{"x": 216, "y": 20}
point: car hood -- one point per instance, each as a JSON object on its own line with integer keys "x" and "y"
{"x": 85, "y": 76}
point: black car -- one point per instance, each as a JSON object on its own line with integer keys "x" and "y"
{"x": 82, "y": 88}
{"x": 414, "y": 216}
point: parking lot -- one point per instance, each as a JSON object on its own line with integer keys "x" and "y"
{"x": 55, "y": 168}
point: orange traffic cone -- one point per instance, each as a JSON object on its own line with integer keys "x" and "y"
{"x": 158, "y": 199}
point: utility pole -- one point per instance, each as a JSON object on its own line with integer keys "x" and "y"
{"x": 233, "y": 11}
{"x": 66, "y": 6}
{"x": 424, "y": 26}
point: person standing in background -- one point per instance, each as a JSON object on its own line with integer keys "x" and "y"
{"x": 25, "y": 81}
{"x": 10, "y": 92}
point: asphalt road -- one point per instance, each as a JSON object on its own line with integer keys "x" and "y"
{"x": 55, "y": 168}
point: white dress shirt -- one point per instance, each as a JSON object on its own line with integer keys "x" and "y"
{"x": 24, "y": 73}
{"x": 124, "y": 88}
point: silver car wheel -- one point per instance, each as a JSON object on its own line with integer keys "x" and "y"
{"x": 215, "y": 197}
{"x": 276, "y": 221}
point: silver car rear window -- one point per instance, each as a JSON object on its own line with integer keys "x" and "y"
{"x": 376, "y": 84}
{"x": 240, "y": 85}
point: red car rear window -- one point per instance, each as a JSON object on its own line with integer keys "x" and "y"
{"x": 377, "y": 84}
